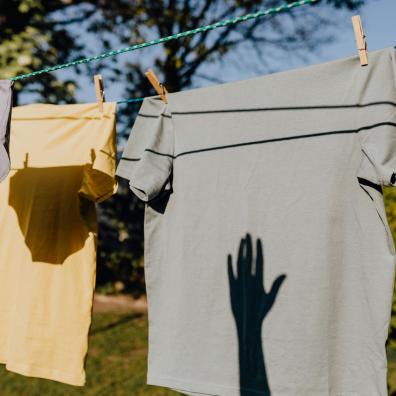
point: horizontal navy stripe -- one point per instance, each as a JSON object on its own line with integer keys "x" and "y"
{"x": 255, "y": 142}
{"x": 130, "y": 159}
{"x": 163, "y": 154}
{"x": 263, "y": 109}
{"x": 154, "y": 116}
{"x": 150, "y": 151}
{"x": 326, "y": 107}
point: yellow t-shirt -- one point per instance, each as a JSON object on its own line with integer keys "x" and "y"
{"x": 63, "y": 161}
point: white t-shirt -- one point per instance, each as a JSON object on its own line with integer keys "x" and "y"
{"x": 269, "y": 260}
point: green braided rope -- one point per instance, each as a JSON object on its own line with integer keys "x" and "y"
{"x": 133, "y": 100}
{"x": 216, "y": 25}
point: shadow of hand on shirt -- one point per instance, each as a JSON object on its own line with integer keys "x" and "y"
{"x": 250, "y": 305}
{"x": 55, "y": 211}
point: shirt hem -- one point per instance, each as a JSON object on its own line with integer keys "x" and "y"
{"x": 29, "y": 370}
{"x": 199, "y": 387}
{"x": 223, "y": 390}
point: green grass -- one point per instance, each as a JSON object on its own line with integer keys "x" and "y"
{"x": 391, "y": 353}
{"x": 116, "y": 363}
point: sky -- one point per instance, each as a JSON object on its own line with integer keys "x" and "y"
{"x": 379, "y": 22}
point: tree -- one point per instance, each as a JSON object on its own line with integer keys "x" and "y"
{"x": 390, "y": 199}
{"x": 32, "y": 39}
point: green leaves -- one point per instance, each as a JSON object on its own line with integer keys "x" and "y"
{"x": 390, "y": 205}
{"x": 29, "y": 40}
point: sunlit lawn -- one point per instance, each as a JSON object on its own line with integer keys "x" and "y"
{"x": 116, "y": 363}
{"x": 391, "y": 351}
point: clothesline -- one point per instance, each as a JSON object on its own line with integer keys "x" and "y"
{"x": 232, "y": 21}
{"x": 133, "y": 100}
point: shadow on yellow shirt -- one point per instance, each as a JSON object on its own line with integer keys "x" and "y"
{"x": 63, "y": 163}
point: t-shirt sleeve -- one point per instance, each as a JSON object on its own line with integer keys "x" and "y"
{"x": 379, "y": 141}
{"x": 148, "y": 157}
{"x": 99, "y": 182}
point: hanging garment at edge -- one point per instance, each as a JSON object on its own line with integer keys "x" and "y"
{"x": 5, "y": 116}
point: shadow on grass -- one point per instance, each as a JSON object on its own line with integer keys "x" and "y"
{"x": 110, "y": 326}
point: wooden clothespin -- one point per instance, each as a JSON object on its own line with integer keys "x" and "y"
{"x": 360, "y": 37}
{"x": 99, "y": 91}
{"x": 159, "y": 88}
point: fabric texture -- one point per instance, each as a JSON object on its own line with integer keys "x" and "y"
{"x": 269, "y": 261}
{"x": 63, "y": 161}
{"x": 5, "y": 116}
